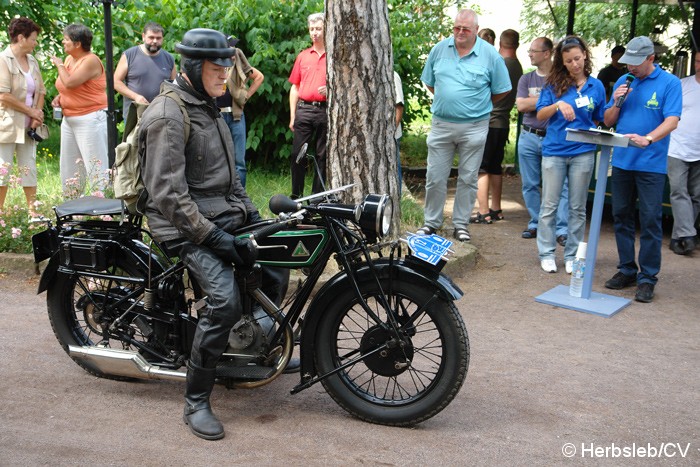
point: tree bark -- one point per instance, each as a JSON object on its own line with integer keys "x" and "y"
{"x": 361, "y": 146}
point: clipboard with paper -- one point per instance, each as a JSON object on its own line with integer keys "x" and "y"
{"x": 599, "y": 136}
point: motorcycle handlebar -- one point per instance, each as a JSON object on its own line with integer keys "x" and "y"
{"x": 268, "y": 230}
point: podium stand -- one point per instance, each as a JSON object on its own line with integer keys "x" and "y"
{"x": 592, "y": 302}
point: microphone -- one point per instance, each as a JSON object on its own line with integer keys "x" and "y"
{"x": 628, "y": 80}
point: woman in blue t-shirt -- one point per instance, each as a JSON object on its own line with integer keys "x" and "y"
{"x": 571, "y": 98}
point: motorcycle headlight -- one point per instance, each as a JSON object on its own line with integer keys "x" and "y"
{"x": 375, "y": 220}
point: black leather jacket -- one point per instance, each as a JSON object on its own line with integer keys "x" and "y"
{"x": 192, "y": 187}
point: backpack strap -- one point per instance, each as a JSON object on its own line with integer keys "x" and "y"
{"x": 186, "y": 117}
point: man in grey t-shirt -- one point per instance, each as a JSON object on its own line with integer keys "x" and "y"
{"x": 530, "y": 141}
{"x": 142, "y": 68}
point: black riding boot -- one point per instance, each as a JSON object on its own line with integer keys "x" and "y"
{"x": 198, "y": 414}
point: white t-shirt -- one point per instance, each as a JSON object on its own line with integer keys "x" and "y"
{"x": 29, "y": 99}
{"x": 399, "y": 100}
{"x": 685, "y": 139}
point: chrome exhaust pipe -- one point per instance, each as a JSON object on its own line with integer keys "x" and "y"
{"x": 126, "y": 363}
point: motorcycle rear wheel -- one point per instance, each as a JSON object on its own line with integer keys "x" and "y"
{"x": 402, "y": 384}
{"x": 75, "y": 303}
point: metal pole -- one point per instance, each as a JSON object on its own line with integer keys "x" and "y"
{"x": 109, "y": 71}
{"x": 570, "y": 22}
{"x": 633, "y": 25}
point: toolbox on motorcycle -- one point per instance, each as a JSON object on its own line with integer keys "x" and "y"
{"x": 93, "y": 255}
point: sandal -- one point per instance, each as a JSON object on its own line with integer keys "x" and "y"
{"x": 481, "y": 219}
{"x": 462, "y": 235}
{"x": 425, "y": 230}
{"x": 496, "y": 215}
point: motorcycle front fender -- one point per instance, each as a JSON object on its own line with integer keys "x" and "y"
{"x": 406, "y": 270}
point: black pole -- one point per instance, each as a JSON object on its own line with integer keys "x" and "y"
{"x": 109, "y": 71}
{"x": 570, "y": 22}
{"x": 633, "y": 25}
{"x": 695, "y": 28}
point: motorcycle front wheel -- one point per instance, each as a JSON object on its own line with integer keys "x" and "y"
{"x": 390, "y": 378}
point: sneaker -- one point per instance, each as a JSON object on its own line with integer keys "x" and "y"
{"x": 529, "y": 233}
{"x": 561, "y": 240}
{"x": 620, "y": 281}
{"x": 548, "y": 265}
{"x": 569, "y": 266}
{"x": 645, "y": 292}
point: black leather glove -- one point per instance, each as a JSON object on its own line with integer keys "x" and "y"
{"x": 254, "y": 217}
{"x": 240, "y": 252}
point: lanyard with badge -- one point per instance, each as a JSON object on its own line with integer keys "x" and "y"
{"x": 582, "y": 101}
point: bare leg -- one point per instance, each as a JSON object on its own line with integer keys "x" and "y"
{"x": 496, "y": 189}
{"x": 482, "y": 194}
{"x": 3, "y": 193}
{"x": 30, "y": 194}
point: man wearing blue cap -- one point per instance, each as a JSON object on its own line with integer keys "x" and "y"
{"x": 646, "y": 110}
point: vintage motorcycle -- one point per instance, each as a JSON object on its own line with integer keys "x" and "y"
{"x": 382, "y": 335}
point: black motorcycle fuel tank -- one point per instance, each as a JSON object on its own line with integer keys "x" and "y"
{"x": 292, "y": 248}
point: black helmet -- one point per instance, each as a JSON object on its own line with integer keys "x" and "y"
{"x": 206, "y": 44}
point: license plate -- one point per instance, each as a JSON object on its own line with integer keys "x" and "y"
{"x": 429, "y": 248}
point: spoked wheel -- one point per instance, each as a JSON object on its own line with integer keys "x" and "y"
{"x": 80, "y": 307}
{"x": 393, "y": 378}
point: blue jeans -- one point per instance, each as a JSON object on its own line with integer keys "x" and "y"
{"x": 648, "y": 187}
{"x": 444, "y": 139}
{"x": 556, "y": 171}
{"x": 530, "y": 163}
{"x": 238, "y": 133}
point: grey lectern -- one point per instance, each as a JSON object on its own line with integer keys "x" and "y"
{"x": 592, "y": 302}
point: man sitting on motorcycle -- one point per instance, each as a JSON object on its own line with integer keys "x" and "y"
{"x": 195, "y": 202}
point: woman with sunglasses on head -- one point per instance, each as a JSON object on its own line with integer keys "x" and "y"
{"x": 571, "y": 98}
{"x": 21, "y": 102}
{"x": 82, "y": 88}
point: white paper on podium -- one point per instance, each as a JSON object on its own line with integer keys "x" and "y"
{"x": 599, "y": 136}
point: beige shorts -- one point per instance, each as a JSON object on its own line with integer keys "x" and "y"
{"x": 26, "y": 162}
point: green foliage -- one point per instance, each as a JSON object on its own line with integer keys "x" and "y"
{"x": 604, "y": 23}
{"x": 271, "y": 33}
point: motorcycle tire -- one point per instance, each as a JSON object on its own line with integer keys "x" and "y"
{"x": 400, "y": 385}
{"x": 74, "y": 305}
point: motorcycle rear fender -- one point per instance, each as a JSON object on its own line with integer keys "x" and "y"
{"x": 407, "y": 270}
{"x": 133, "y": 251}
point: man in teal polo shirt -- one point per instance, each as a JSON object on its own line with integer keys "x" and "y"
{"x": 647, "y": 113}
{"x": 466, "y": 76}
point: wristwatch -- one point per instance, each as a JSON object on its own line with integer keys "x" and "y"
{"x": 649, "y": 138}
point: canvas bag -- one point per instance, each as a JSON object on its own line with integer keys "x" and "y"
{"x": 128, "y": 185}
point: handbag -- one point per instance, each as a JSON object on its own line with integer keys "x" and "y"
{"x": 42, "y": 131}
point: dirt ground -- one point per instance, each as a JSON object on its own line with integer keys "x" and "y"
{"x": 546, "y": 385}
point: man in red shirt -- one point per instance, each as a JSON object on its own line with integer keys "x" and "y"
{"x": 307, "y": 105}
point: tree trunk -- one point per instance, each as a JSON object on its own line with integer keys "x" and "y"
{"x": 361, "y": 145}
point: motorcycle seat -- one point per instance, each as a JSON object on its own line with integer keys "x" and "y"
{"x": 91, "y": 206}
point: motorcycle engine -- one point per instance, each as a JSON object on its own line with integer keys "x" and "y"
{"x": 250, "y": 333}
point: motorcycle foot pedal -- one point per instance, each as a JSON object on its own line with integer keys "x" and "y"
{"x": 248, "y": 372}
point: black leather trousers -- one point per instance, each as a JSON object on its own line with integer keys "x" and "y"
{"x": 216, "y": 281}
